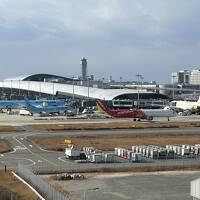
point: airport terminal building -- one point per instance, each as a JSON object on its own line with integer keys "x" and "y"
{"x": 38, "y": 86}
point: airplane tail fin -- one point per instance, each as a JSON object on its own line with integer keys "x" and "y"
{"x": 28, "y": 105}
{"x": 101, "y": 107}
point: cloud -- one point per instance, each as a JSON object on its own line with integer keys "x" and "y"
{"x": 129, "y": 32}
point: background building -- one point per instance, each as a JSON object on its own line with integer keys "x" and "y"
{"x": 181, "y": 77}
{"x": 195, "y": 77}
{"x": 186, "y": 77}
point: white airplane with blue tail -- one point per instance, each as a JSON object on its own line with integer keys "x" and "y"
{"x": 60, "y": 110}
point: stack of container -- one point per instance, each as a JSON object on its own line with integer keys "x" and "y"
{"x": 95, "y": 158}
{"x": 129, "y": 154}
{"x": 185, "y": 149}
{"x": 162, "y": 153}
{"x": 154, "y": 152}
{"x": 101, "y": 158}
{"x": 135, "y": 157}
{"x": 196, "y": 149}
{"x": 109, "y": 157}
{"x": 89, "y": 150}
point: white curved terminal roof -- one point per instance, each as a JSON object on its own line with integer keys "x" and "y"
{"x": 53, "y": 88}
{"x": 17, "y": 78}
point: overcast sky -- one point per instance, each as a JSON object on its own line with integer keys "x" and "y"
{"x": 118, "y": 37}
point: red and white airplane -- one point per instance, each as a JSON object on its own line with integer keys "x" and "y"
{"x": 134, "y": 113}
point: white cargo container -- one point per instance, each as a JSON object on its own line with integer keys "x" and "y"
{"x": 144, "y": 150}
{"x": 89, "y": 150}
{"x": 162, "y": 153}
{"x": 134, "y": 149}
{"x": 170, "y": 154}
{"x": 154, "y": 153}
{"x": 184, "y": 146}
{"x": 196, "y": 151}
{"x": 95, "y": 158}
{"x": 148, "y": 152}
{"x": 185, "y": 152}
{"x": 137, "y": 149}
{"x": 116, "y": 151}
{"x": 125, "y": 153}
{"x": 136, "y": 157}
{"x": 140, "y": 149}
{"x": 130, "y": 154}
{"x": 119, "y": 152}
{"x": 179, "y": 150}
{"x": 109, "y": 157}
{"x": 122, "y": 152}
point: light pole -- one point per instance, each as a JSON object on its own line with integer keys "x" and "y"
{"x": 88, "y": 91}
{"x": 139, "y": 76}
{"x": 73, "y": 88}
{"x": 173, "y": 76}
{"x": 120, "y": 81}
{"x": 40, "y": 89}
{"x": 102, "y": 86}
{"x": 19, "y": 87}
{"x": 90, "y": 189}
{"x": 53, "y": 89}
{"x": 88, "y": 84}
{"x": 28, "y": 88}
{"x": 2, "y": 87}
{"x": 11, "y": 89}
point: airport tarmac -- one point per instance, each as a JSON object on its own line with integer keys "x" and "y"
{"x": 137, "y": 186}
{"x": 17, "y": 120}
{"x": 150, "y": 186}
{"x": 28, "y": 153}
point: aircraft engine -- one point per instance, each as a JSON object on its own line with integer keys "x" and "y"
{"x": 44, "y": 104}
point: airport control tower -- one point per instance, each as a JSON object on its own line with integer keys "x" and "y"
{"x": 84, "y": 68}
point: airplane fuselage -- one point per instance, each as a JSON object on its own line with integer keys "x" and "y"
{"x": 186, "y": 105}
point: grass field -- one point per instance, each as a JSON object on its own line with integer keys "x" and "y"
{"x": 4, "y": 146}
{"x": 10, "y": 129}
{"x": 113, "y": 125}
{"x": 108, "y": 142}
{"x": 23, "y": 192}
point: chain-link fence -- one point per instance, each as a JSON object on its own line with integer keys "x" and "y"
{"x": 6, "y": 194}
{"x": 44, "y": 187}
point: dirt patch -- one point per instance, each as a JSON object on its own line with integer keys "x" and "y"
{"x": 90, "y": 172}
{"x": 5, "y": 146}
{"x": 109, "y": 142}
{"x": 9, "y": 182}
{"x": 10, "y": 129}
